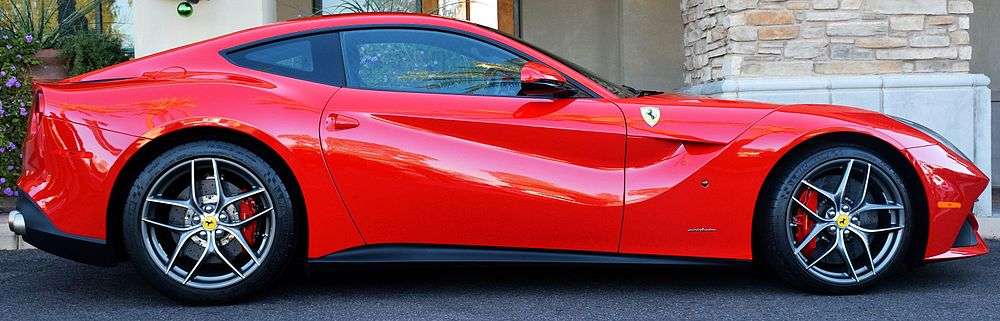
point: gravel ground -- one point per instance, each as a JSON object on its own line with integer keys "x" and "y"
{"x": 39, "y": 286}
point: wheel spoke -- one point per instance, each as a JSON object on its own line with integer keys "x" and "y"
{"x": 864, "y": 241}
{"x": 208, "y": 246}
{"x": 842, "y": 246}
{"x": 864, "y": 190}
{"x": 182, "y": 241}
{"x": 177, "y": 203}
{"x": 240, "y": 197}
{"x": 843, "y": 182}
{"x": 823, "y": 192}
{"x": 170, "y": 227}
{"x": 239, "y": 238}
{"x": 821, "y": 257}
{"x": 248, "y": 220}
{"x": 194, "y": 187}
{"x": 810, "y": 211}
{"x": 221, "y": 256}
{"x": 220, "y": 196}
{"x": 881, "y": 230}
{"x": 812, "y": 235}
{"x": 867, "y": 207}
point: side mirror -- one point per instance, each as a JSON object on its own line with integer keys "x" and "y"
{"x": 540, "y": 80}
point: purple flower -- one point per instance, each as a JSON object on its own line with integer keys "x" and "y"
{"x": 29, "y": 38}
{"x": 23, "y": 112}
{"x": 3, "y": 73}
{"x": 8, "y": 192}
{"x": 2, "y": 150}
{"x": 11, "y": 145}
{"x": 3, "y": 181}
{"x": 11, "y": 82}
{"x": 10, "y": 167}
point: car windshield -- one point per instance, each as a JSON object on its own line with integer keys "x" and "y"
{"x": 619, "y": 90}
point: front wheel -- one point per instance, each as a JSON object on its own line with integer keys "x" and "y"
{"x": 837, "y": 221}
{"x": 209, "y": 223}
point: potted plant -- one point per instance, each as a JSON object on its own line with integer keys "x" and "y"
{"x": 45, "y": 23}
{"x": 90, "y": 50}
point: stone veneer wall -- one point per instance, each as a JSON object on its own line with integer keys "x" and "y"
{"x": 758, "y": 38}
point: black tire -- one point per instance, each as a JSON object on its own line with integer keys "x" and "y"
{"x": 281, "y": 251}
{"x": 775, "y": 238}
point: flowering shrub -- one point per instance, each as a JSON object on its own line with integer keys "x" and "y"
{"x": 17, "y": 55}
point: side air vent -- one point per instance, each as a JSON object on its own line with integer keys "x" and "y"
{"x": 966, "y": 236}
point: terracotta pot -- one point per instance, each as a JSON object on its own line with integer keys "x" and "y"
{"x": 52, "y": 67}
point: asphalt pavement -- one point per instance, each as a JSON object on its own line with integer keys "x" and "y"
{"x": 38, "y": 286}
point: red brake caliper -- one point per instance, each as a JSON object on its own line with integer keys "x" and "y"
{"x": 803, "y": 223}
{"x": 247, "y": 207}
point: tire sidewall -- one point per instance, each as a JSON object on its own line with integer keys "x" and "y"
{"x": 283, "y": 240}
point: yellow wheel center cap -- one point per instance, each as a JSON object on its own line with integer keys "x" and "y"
{"x": 210, "y": 222}
{"x": 842, "y": 220}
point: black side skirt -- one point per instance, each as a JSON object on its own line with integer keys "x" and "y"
{"x": 445, "y": 254}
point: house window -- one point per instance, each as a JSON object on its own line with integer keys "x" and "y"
{"x": 498, "y": 14}
{"x": 117, "y": 18}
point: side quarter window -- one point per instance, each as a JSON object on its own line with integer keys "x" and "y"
{"x": 313, "y": 58}
{"x": 427, "y": 61}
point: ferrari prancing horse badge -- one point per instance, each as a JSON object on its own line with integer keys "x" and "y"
{"x": 651, "y": 115}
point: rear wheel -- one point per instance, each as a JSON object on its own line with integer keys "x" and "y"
{"x": 208, "y": 223}
{"x": 837, "y": 220}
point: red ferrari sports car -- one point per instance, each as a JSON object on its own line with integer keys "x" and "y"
{"x": 371, "y": 138}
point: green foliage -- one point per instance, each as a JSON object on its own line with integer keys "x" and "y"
{"x": 88, "y": 51}
{"x": 40, "y": 18}
{"x": 17, "y": 55}
{"x": 356, "y": 6}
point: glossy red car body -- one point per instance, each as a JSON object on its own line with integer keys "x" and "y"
{"x": 414, "y": 168}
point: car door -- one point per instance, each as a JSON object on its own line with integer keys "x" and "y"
{"x": 431, "y": 142}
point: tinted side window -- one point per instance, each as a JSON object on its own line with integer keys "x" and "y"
{"x": 295, "y": 54}
{"x": 313, "y": 58}
{"x": 429, "y": 61}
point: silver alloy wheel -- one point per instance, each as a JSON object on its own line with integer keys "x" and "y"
{"x": 207, "y": 223}
{"x": 856, "y": 211}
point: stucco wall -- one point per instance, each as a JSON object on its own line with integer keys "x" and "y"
{"x": 632, "y": 41}
{"x": 652, "y": 49}
{"x": 583, "y": 31}
{"x": 985, "y": 44}
{"x": 158, "y": 27}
